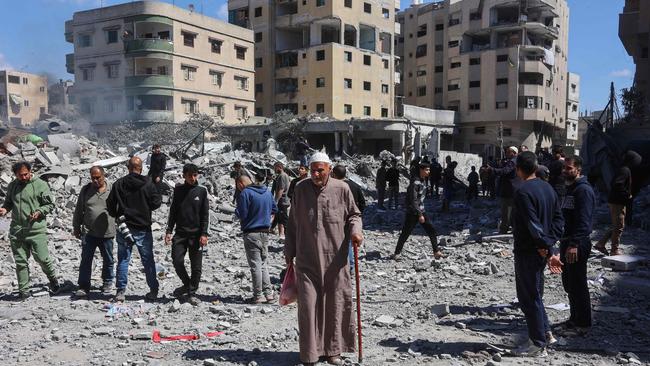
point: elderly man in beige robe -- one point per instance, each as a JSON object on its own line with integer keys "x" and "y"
{"x": 323, "y": 221}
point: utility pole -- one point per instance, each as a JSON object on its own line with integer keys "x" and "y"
{"x": 610, "y": 110}
{"x": 500, "y": 136}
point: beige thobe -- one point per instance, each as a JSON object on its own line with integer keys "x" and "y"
{"x": 321, "y": 222}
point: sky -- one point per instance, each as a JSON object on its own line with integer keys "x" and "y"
{"x": 36, "y": 43}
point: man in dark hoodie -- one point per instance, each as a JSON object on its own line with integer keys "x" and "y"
{"x": 620, "y": 195}
{"x": 255, "y": 209}
{"x": 190, "y": 214}
{"x": 578, "y": 208}
{"x": 555, "y": 172}
{"x": 504, "y": 189}
{"x": 380, "y": 184}
{"x": 157, "y": 166}
{"x": 537, "y": 224}
{"x": 131, "y": 201}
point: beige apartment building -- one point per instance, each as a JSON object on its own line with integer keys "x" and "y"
{"x": 23, "y": 97}
{"x": 501, "y": 64}
{"x": 572, "y": 109}
{"x": 148, "y": 61}
{"x": 634, "y": 32}
{"x": 322, "y": 56}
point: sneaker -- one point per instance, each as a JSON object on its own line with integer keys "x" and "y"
{"x": 81, "y": 293}
{"x": 120, "y": 296}
{"x": 54, "y": 286}
{"x": 24, "y": 295}
{"x": 271, "y": 298}
{"x": 438, "y": 254}
{"x": 151, "y": 295}
{"x": 180, "y": 291}
{"x": 530, "y": 350}
{"x": 107, "y": 288}
{"x": 193, "y": 300}
{"x": 550, "y": 339}
{"x": 396, "y": 257}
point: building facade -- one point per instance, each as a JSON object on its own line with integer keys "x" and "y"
{"x": 23, "y": 97}
{"x": 634, "y": 32}
{"x": 148, "y": 61}
{"x": 322, "y": 56}
{"x": 501, "y": 64}
{"x": 572, "y": 109}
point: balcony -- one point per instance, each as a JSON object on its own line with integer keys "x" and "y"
{"x": 68, "y": 31}
{"x": 628, "y": 29}
{"x": 149, "y": 81}
{"x": 533, "y": 66}
{"x": 143, "y": 45}
{"x": 151, "y": 116}
{"x": 69, "y": 63}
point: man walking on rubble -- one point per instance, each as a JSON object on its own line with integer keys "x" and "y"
{"x": 157, "y": 166}
{"x": 555, "y": 172}
{"x": 473, "y": 179}
{"x": 504, "y": 189}
{"x": 93, "y": 225}
{"x": 392, "y": 176}
{"x": 280, "y": 189}
{"x": 340, "y": 172}
{"x": 190, "y": 215}
{"x": 322, "y": 222}
{"x": 536, "y": 225}
{"x": 29, "y": 200}
{"x": 131, "y": 201}
{"x": 415, "y": 212}
{"x": 575, "y": 246}
{"x": 255, "y": 209}
{"x": 380, "y": 185}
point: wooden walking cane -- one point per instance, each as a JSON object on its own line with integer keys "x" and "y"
{"x": 356, "y": 273}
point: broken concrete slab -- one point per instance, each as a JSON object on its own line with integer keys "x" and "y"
{"x": 623, "y": 262}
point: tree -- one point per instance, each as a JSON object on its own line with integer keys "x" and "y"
{"x": 288, "y": 129}
{"x": 634, "y": 103}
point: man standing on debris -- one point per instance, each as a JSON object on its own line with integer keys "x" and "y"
{"x": 131, "y": 201}
{"x": 91, "y": 223}
{"x": 30, "y": 201}
{"x": 575, "y": 246}
{"x": 340, "y": 172}
{"x": 473, "y": 179}
{"x": 504, "y": 189}
{"x": 255, "y": 209}
{"x": 157, "y": 166}
{"x": 415, "y": 213}
{"x": 448, "y": 180}
{"x": 190, "y": 215}
{"x": 436, "y": 175}
{"x": 392, "y": 176}
{"x": 537, "y": 224}
{"x": 555, "y": 172}
{"x": 303, "y": 172}
{"x": 323, "y": 221}
{"x": 380, "y": 184}
{"x": 280, "y": 189}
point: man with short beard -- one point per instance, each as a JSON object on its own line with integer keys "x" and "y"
{"x": 303, "y": 173}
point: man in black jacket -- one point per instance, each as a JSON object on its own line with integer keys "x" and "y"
{"x": 555, "y": 172}
{"x": 536, "y": 225}
{"x": 505, "y": 175}
{"x": 157, "y": 166}
{"x": 415, "y": 194}
{"x": 380, "y": 185}
{"x": 392, "y": 177}
{"x": 131, "y": 201}
{"x": 578, "y": 208}
{"x": 190, "y": 214}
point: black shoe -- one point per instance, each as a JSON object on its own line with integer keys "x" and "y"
{"x": 82, "y": 293}
{"x": 192, "y": 299}
{"x": 151, "y": 295}
{"x": 180, "y": 291}
{"x": 55, "y": 286}
{"x": 24, "y": 295}
{"x": 120, "y": 296}
{"x": 396, "y": 257}
{"x": 107, "y": 288}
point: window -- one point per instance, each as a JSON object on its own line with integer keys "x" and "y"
{"x": 41, "y": 89}
{"x": 111, "y": 36}
{"x": 320, "y": 108}
{"x": 475, "y": 61}
{"x": 422, "y": 91}
{"x": 384, "y": 112}
{"x": 367, "y": 8}
{"x": 259, "y": 88}
{"x": 15, "y": 79}
{"x": 421, "y": 72}
{"x": 215, "y": 45}
{"x": 502, "y": 81}
{"x": 25, "y": 81}
{"x": 440, "y": 27}
{"x": 385, "y": 62}
{"x": 421, "y": 51}
{"x": 241, "y": 52}
{"x": 384, "y": 88}
{"x": 366, "y": 110}
{"x": 258, "y": 37}
{"x": 347, "y": 83}
{"x": 366, "y": 59}
{"x": 320, "y": 82}
{"x": 259, "y": 111}
{"x": 502, "y": 105}
{"x": 190, "y": 106}
{"x": 112, "y": 71}
{"x": 474, "y": 106}
{"x": 241, "y": 82}
{"x": 258, "y": 11}
{"x": 320, "y": 55}
{"x": 217, "y": 77}
{"x": 438, "y": 69}
{"x": 385, "y": 13}
{"x": 438, "y": 47}
{"x": 453, "y": 21}
{"x": 87, "y": 74}
{"x": 475, "y": 16}
{"x": 188, "y": 72}
{"x": 112, "y": 104}
{"x": 188, "y": 39}
{"x": 258, "y": 62}
{"x": 347, "y": 108}
{"x": 216, "y": 109}
{"x": 347, "y": 56}
{"x": 455, "y": 65}
{"x": 531, "y": 102}
{"x": 479, "y": 130}
{"x": 502, "y": 58}
{"x": 453, "y": 85}
{"x": 548, "y": 106}
{"x": 574, "y": 108}
{"x": 241, "y": 112}
{"x": 367, "y": 85}
{"x": 453, "y": 44}
{"x": 437, "y": 90}
{"x": 422, "y": 30}
{"x": 347, "y": 3}
{"x": 475, "y": 84}
{"x": 507, "y": 132}
{"x": 85, "y": 40}
{"x": 573, "y": 88}
{"x": 26, "y": 103}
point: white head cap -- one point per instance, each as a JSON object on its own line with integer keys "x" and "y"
{"x": 320, "y": 157}
{"x": 514, "y": 149}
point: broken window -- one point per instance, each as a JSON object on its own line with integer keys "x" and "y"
{"x": 188, "y": 38}
{"x": 348, "y": 56}
{"x": 216, "y": 109}
{"x": 438, "y": 69}
{"x": 258, "y": 37}
{"x": 367, "y": 8}
{"x": 286, "y": 85}
{"x": 241, "y": 112}
{"x": 385, "y": 13}
{"x": 531, "y": 102}
{"x": 347, "y": 108}
{"x": 258, "y": 11}
{"x": 85, "y": 40}
{"x": 241, "y": 82}
{"x": 366, "y": 110}
{"x": 320, "y": 108}
{"x": 453, "y": 85}
{"x": 188, "y": 72}
{"x": 453, "y": 44}
{"x": 474, "y": 106}
{"x": 422, "y": 30}
{"x": 241, "y": 52}
{"x": 421, "y": 51}
{"x": 455, "y": 65}
{"x": 286, "y": 59}
{"x": 215, "y": 45}
{"x": 440, "y": 27}
{"x": 384, "y": 88}
{"x": 14, "y": 79}
{"x": 347, "y": 83}
{"x": 320, "y": 82}
{"x": 217, "y": 78}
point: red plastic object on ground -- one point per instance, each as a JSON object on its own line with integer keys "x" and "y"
{"x": 184, "y": 337}
{"x": 289, "y": 291}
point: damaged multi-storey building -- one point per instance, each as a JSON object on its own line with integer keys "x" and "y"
{"x": 147, "y": 61}
{"x": 23, "y": 97}
{"x": 500, "y": 64}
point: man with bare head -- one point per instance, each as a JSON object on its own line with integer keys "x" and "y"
{"x": 131, "y": 201}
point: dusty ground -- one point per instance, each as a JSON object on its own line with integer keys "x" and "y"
{"x": 475, "y": 280}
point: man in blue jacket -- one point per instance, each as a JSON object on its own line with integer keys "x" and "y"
{"x": 578, "y": 208}
{"x": 537, "y": 224}
{"x": 255, "y": 209}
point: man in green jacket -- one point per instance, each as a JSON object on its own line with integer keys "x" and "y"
{"x": 30, "y": 201}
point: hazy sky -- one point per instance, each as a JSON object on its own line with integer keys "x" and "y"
{"x": 36, "y": 43}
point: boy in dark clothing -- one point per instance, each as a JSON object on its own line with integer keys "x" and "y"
{"x": 536, "y": 225}
{"x": 392, "y": 176}
{"x": 190, "y": 214}
{"x": 380, "y": 185}
{"x": 472, "y": 179}
{"x": 434, "y": 178}
{"x": 157, "y": 165}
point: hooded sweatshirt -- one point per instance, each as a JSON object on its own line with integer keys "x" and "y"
{"x": 135, "y": 197}
{"x": 190, "y": 210}
{"x": 254, "y": 208}
{"x": 577, "y": 208}
{"x": 23, "y": 199}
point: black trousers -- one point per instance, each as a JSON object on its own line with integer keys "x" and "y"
{"x": 529, "y": 282}
{"x": 181, "y": 244}
{"x": 574, "y": 280}
{"x": 410, "y": 221}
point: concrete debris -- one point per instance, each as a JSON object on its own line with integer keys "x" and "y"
{"x": 623, "y": 262}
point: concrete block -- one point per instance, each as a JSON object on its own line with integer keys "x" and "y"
{"x": 622, "y": 262}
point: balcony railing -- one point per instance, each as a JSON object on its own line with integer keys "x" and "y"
{"x": 149, "y": 81}
{"x": 69, "y": 63}
{"x": 148, "y": 45}
{"x": 152, "y": 116}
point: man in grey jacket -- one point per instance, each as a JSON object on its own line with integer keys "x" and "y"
{"x": 96, "y": 229}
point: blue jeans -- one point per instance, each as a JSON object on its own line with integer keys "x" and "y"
{"x": 88, "y": 245}
{"x": 529, "y": 280}
{"x": 144, "y": 242}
